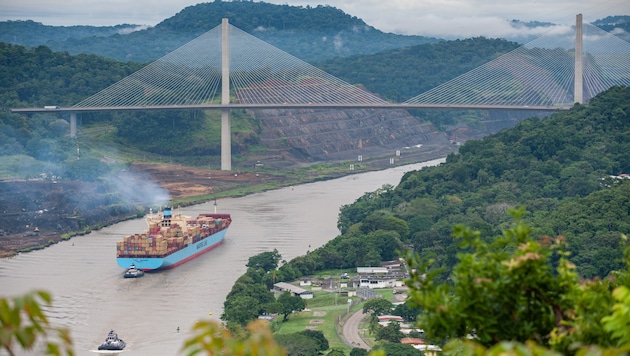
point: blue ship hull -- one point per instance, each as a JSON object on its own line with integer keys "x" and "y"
{"x": 175, "y": 259}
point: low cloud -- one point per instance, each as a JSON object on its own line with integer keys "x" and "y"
{"x": 128, "y": 30}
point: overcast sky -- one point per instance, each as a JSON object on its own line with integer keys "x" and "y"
{"x": 437, "y": 18}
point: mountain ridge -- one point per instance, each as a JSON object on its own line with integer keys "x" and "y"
{"x": 312, "y": 34}
{"x": 309, "y": 33}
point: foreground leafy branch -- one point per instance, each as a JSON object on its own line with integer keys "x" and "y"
{"x": 514, "y": 292}
{"x": 23, "y": 321}
{"x": 210, "y": 338}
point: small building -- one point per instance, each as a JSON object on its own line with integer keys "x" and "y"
{"x": 429, "y": 350}
{"x": 412, "y": 341}
{"x": 305, "y": 282}
{"x": 391, "y": 318}
{"x": 395, "y": 266}
{"x": 408, "y": 329}
{"x": 372, "y": 281}
{"x": 371, "y": 270}
{"x": 390, "y": 275}
{"x": 282, "y": 287}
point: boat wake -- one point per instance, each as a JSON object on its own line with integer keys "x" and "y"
{"x": 108, "y": 352}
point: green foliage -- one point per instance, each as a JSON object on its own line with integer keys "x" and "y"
{"x": 248, "y": 299}
{"x": 356, "y": 351}
{"x": 619, "y": 322}
{"x": 289, "y": 303}
{"x": 379, "y": 221}
{"x": 396, "y": 349}
{"x": 508, "y": 279}
{"x": 40, "y": 77}
{"x": 305, "y": 32}
{"x": 378, "y": 306}
{"x": 412, "y": 70}
{"x": 23, "y": 321}
{"x": 210, "y": 338}
{"x": 529, "y": 283}
{"x": 298, "y": 344}
{"x": 241, "y": 309}
{"x": 31, "y": 33}
{"x": 267, "y": 261}
{"x": 558, "y": 168}
{"x": 391, "y": 332}
{"x": 319, "y": 336}
{"x": 406, "y": 311}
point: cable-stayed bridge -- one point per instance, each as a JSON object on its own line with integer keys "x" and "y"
{"x": 227, "y": 68}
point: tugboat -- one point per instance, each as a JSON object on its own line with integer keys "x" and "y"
{"x": 133, "y": 272}
{"x": 112, "y": 343}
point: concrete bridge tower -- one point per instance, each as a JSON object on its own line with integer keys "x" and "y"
{"x": 226, "y": 131}
{"x": 578, "y": 95}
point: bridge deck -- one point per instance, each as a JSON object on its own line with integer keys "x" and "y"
{"x": 403, "y": 106}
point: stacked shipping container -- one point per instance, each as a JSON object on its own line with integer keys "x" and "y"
{"x": 170, "y": 235}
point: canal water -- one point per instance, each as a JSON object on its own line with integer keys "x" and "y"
{"x": 90, "y": 295}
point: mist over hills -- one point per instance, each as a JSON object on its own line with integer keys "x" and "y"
{"x": 312, "y": 34}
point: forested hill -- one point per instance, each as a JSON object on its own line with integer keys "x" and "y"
{"x": 32, "y": 34}
{"x": 402, "y": 73}
{"x": 39, "y": 76}
{"x": 309, "y": 33}
{"x": 558, "y": 168}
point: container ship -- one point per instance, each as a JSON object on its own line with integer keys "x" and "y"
{"x": 172, "y": 239}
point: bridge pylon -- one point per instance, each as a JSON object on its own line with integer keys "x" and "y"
{"x": 578, "y": 96}
{"x": 226, "y": 129}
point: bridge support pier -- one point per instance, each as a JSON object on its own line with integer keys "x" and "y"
{"x": 226, "y": 141}
{"x": 73, "y": 124}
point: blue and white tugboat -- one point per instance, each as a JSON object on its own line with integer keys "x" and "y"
{"x": 112, "y": 343}
{"x": 133, "y": 272}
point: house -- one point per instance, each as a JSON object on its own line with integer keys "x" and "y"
{"x": 282, "y": 287}
{"x": 413, "y": 341}
{"x": 372, "y": 281}
{"x": 408, "y": 328}
{"x": 394, "y": 266}
{"x": 429, "y": 350}
{"x": 389, "y": 275}
{"x": 384, "y": 320}
{"x": 371, "y": 270}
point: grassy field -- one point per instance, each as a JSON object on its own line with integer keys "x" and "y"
{"x": 324, "y": 313}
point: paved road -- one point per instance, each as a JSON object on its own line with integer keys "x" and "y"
{"x": 351, "y": 330}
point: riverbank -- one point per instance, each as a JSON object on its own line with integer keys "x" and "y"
{"x": 293, "y": 220}
{"x": 38, "y": 213}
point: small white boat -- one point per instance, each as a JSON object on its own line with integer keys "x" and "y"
{"x": 112, "y": 343}
{"x": 133, "y": 272}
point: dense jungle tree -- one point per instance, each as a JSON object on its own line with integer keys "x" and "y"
{"x": 518, "y": 288}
